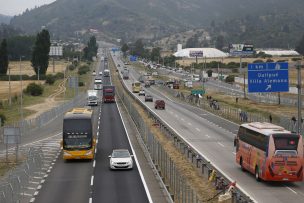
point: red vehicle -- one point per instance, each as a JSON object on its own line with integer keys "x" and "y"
{"x": 108, "y": 93}
{"x": 159, "y": 104}
{"x": 269, "y": 152}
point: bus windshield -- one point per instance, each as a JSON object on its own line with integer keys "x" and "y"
{"x": 77, "y": 134}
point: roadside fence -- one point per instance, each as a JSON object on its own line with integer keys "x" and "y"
{"x": 177, "y": 185}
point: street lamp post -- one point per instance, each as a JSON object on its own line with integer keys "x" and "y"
{"x": 9, "y": 87}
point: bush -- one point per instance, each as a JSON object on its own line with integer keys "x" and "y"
{"x": 80, "y": 84}
{"x": 235, "y": 70}
{"x": 258, "y": 61}
{"x": 71, "y": 67}
{"x": 34, "y": 89}
{"x": 3, "y": 119}
{"x": 269, "y": 60}
{"x": 296, "y": 59}
{"x": 35, "y": 77}
{"x": 50, "y": 79}
{"x": 229, "y": 79}
{"x": 59, "y": 76}
{"x": 83, "y": 69}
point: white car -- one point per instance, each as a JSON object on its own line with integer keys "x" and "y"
{"x": 94, "y": 73}
{"x": 100, "y": 73}
{"x": 121, "y": 159}
{"x": 142, "y": 93}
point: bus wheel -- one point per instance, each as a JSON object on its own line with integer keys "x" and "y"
{"x": 257, "y": 176}
{"x": 241, "y": 163}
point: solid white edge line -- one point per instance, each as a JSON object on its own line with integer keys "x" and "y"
{"x": 291, "y": 190}
{"x": 92, "y": 180}
{"x": 90, "y": 200}
{"x": 220, "y": 144}
{"x": 207, "y": 159}
{"x": 135, "y": 157}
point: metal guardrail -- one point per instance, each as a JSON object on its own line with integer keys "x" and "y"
{"x": 177, "y": 185}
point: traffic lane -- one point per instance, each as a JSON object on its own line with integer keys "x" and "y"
{"x": 68, "y": 182}
{"x": 221, "y": 154}
{"x": 115, "y": 186}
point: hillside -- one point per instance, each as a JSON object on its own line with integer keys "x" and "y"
{"x": 154, "y": 19}
{"x": 5, "y": 19}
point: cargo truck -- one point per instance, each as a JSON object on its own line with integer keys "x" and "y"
{"x": 125, "y": 74}
{"x": 108, "y": 94}
{"x": 92, "y": 98}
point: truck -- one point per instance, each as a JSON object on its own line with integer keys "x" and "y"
{"x": 125, "y": 74}
{"x": 106, "y": 73}
{"x": 92, "y": 98}
{"x": 98, "y": 84}
{"x": 108, "y": 94}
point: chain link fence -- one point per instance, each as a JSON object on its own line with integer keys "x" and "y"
{"x": 177, "y": 185}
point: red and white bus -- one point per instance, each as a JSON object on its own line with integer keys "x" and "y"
{"x": 270, "y": 152}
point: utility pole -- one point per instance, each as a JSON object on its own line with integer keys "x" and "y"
{"x": 9, "y": 87}
{"x": 299, "y": 129}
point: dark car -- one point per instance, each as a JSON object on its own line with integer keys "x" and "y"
{"x": 148, "y": 98}
{"x": 159, "y": 104}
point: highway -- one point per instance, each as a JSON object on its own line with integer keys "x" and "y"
{"x": 213, "y": 137}
{"x": 93, "y": 181}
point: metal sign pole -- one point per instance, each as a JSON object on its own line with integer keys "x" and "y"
{"x": 299, "y": 98}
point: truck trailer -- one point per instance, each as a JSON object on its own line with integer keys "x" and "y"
{"x": 108, "y": 94}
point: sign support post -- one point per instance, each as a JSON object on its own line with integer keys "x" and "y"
{"x": 299, "y": 128}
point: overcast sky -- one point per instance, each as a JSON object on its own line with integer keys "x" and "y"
{"x": 15, "y": 7}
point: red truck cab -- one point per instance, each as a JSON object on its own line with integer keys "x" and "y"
{"x": 159, "y": 104}
{"x": 108, "y": 94}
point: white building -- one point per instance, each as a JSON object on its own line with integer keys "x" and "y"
{"x": 207, "y": 52}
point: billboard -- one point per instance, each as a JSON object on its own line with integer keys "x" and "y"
{"x": 56, "y": 51}
{"x": 241, "y": 49}
{"x": 198, "y": 53}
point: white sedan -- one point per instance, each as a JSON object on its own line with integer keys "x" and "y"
{"x": 121, "y": 159}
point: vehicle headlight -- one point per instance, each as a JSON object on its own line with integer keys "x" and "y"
{"x": 88, "y": 153}
{"x": 66, "y": 154}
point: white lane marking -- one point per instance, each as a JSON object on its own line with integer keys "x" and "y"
{"x": 98, "y": 127}
{"x": 198, "y": 129}
{"x": 97, "y": 141}
{"x": 94, "y": 163}
{"x": 36, "y": 193}
{"x": 90, "y": 200}
{"x": 182, "y": 119}
{"x": 99, "y": 118}
{"x": 136, "y": 160}
{"x": 96, "y": 150}
{"x": 32, "y": 200}
{"x": 220, "y": 144}
{"x": 234, "y": 153}
{"x": 291, "y": 190}
{"x": 97, "y": 133}
{"x": 189, "y": 124}
{"x": 92, "y": 180}
{"x": 207, "y": 136}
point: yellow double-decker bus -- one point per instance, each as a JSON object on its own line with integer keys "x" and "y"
{"x": 78, "y": 141}
{"x": 136, "y": 87}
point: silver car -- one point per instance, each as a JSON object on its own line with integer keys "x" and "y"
{"x": 121, "y": 159}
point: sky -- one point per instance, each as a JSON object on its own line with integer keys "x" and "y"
{"x": 15, "y": 7}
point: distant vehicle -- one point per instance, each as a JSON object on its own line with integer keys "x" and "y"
{"x": 159, "y": 104}
{"x": 100, "y": 73}
{"x": 92, "y": 98}
{"x": 118, "y": 65}
{"x": 270, "y": 152}
{"x": 121, "y": 159}
{"x": 108, "y": 94}
{"x": 175, "y": 85}
{"x": 78, "y": 141}
{"x": 154, "y": 73}
{"x": 93, "y": 73}
{"x": 147, "y": 83}
{"x": 189, "y": 84}
{"x": 136, "y": 87}
{"x": 125, "y": 74}
{"x": 98, "y": 84}
{"x": 106, "y": 73}
{"x": 149, "y": 98}
{"x": 195, "y": 77}
{"x": 126, "y": 63}
{"x": 152, "y": 81}
{"x": 141, "y": 93}
{"x": 169, "y": 84}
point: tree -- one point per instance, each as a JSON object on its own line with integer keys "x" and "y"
{"x": 219, "y": 44}
{"x": 155, "y": 54}
{"x": 3, "y": 57}
{"x": 91, "y": 49}
{"x": 20, "y": 46}
{"x": 192, "y": 42}
{"x": 300, "y": 46}
{"x": 40, "y": 55}
{"x": 138, "y": 48}
{"x": 124, "y": 49}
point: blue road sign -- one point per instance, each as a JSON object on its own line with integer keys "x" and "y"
{"x": 268, "y": 77}
{"x": 133, "y": 58}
